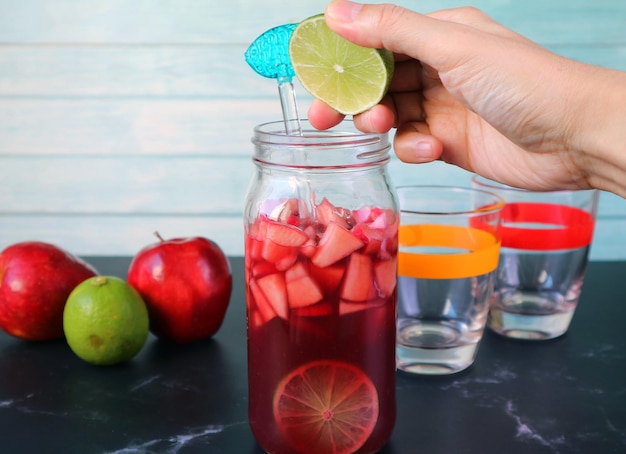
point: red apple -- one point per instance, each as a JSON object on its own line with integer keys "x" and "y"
{"x": 35, "y": 280}
{"x": 186, "y": 284}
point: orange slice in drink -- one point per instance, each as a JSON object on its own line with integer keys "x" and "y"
{"x": 326, "y": 407}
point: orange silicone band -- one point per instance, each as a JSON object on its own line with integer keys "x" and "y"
{"x": 482, "y": 257}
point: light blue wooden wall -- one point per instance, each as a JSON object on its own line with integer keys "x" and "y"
{"x": 122, "y": 117}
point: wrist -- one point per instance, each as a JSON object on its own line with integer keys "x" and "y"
{"x": 598, "y": 137}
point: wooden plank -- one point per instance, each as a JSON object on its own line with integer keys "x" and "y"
{"x": 196, "y": 21}
{"x": 118, "y": 235}
{"x": 146, "y": 21}
{"x": 125, "y": 235}
{"x": 133, "y": 185}
{"x": 610, "y": 206}
{"x": 197, "y": 72}
{"x": 130, "y": 71}
{"x": 207, "y": 127}
{"x": 198, "y": 186}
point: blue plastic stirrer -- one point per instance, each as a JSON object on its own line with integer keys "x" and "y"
{"x": 268, "y": 55}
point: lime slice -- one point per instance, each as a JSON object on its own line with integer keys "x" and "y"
{"x": 349, "y": 78}
{"x": 326, "y": 406}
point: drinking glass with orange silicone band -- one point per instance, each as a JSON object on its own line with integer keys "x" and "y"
{"x": 449, "y": 245}
{"x": 476, "y": 251}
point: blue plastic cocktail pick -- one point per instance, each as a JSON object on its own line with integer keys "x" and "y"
{"x": 268, "y": 55}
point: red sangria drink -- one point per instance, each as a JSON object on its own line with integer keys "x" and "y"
{"x": 321, "y": 305}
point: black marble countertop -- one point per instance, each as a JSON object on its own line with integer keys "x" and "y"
{"x": 567, "y": 395}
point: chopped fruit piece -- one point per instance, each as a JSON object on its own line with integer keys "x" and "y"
{"x": 263, "y": 305}
{"x": 309, "y": 248}
{"x": 358, "y": 284}
{"x": 363, "y": 214}
{"x": 373, "y": 248}
{"x": 368, "y": 233}
{"x": 256, "y": 319}
{"x": 254, "y": 249}
{"x": 301, "y": 288}
{"x": 296, "y": 272}
{"x": 262, "y": 268}
{"x": 388, "y": 248}
{"x": 349, "y": 307}
{"x": 385, "y": 272}
{"x": 314, "y": 310}
{"x": 326, "y": 212}
{"x": 285, "y": 235}
{"x": 328, "y": 278}
{"x": 282, "y": 210}
{"x": 336, "y": 243}
{"x": 274, "y": 289}
{"x": 281, "y": 256}
{"x": 380, "y": 222}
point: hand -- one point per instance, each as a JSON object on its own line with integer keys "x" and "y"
{"x": 476, "y": 94}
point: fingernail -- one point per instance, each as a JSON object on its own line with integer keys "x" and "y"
{"x": 343, "y": 10}
{"x": 423, "y": 149}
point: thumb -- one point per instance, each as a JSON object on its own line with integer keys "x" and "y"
{"x": 401, "y": 31}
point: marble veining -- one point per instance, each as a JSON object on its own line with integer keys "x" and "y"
{"x": 525, "y": 430}
{"x": 143, "y": 383}
{"x": 23, "y": 406}
{"x": 168, "y": 445}
{"x": 606, "y": 352}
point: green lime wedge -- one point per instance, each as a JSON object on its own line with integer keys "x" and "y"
{"x": 349, "y": 78}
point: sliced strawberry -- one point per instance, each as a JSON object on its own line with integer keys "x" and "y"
{"x": 275, "y": 291}
{"x": 358, "y": 284}
{"x": 336, "y": 243}
{"x": 314, "y": 310}
{"x": 385, "y": 272}
{"x": 263, "y": 306}
{"x": 301, "y": 288}
{"x": 328, "y": 278}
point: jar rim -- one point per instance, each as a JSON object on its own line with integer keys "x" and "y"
{"x": 341, "y": 146}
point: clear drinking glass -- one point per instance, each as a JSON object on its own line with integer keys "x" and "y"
{"x": 546, "y": 237}
{"x": 321, "y": 226}
{"x": 449, "y": 244}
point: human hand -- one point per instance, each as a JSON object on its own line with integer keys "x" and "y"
{"x": 472, "y": 93}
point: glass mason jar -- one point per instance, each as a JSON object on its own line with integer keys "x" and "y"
{"x": 321, "y": 223}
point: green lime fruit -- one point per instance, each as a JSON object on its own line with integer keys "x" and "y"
{"x": 105, "y": 321}
{"x": 349, "y": 78}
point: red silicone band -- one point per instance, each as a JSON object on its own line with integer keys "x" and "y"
{"x": 566, "y": 227}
